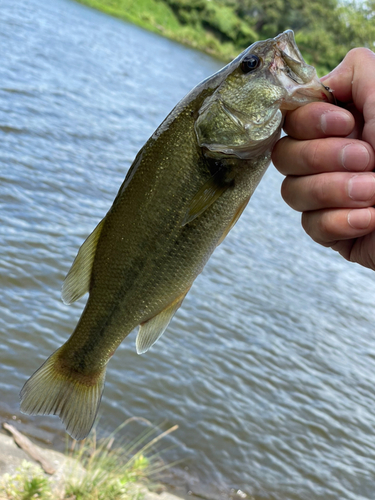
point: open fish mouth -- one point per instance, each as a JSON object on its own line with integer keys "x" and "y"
{"x": 297, "y": 77}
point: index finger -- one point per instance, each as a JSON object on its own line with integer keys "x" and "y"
{"x": 317, "y": 120}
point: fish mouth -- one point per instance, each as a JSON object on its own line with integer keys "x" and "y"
{"x": 297, "y": 77}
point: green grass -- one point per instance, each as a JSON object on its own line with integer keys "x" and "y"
{"x": 99, "y": 470}
{"x": 158, "y": 17}
{"x": 115, "y": 473}
{"x": 28, "y": 483}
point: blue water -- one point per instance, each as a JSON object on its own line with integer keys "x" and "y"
{"x": 268, "y": 368}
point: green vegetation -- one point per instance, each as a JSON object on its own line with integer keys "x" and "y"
{"x": 27, "y": 483}
{"x": 325, "y": 29}
{"x": 98, "y": 470}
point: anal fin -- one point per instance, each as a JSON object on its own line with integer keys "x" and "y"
{"x": 151, "y": 330}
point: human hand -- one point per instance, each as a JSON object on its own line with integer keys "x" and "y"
{"x": 328, "y": 158}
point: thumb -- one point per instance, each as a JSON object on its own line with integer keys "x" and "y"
{"x": 353, "y": 81}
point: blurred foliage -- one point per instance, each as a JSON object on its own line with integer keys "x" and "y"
{"x": 325, "y": 30}
{"x": 217, "y": 17}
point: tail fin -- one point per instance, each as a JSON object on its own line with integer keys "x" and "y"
{"x": 55, "y": 390}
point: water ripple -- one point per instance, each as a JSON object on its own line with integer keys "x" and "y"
{"x": 268, "y": 366}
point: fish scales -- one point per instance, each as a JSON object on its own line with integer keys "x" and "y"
{"x": 186, "y": 189}
{"x": 137, "y": 272}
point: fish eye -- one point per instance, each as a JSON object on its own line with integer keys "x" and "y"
{"x": 249, "y": 63}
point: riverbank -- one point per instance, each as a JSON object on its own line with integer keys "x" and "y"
{"x": 324, "y": 32}
{"x": 28, "y": 470}
{"x": 159, "y": 18}
{"x": 16, "y": 461}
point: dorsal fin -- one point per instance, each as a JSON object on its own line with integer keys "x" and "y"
{"x": 77, "y": 280}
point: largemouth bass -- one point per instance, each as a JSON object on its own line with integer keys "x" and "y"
{"x": 184, "y": 192}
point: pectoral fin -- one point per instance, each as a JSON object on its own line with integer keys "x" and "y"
{"x": 236, "y": 216}
{"x": 77, "y": 280}
{"x": 150, "y": 331}
{"x": 206, "y": 196}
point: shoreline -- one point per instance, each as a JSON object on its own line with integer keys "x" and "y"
{"x": 12, "y": 457}
{"x": 197, "y": 39}
{"x": 61, "y": 467}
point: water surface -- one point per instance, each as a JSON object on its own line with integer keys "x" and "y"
{"x": 268, "y": 368}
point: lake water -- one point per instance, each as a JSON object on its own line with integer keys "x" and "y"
{"x": 269, "y": 366}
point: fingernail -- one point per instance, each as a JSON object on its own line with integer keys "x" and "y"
{"x": 361, "y": 187}
{"x": 359, "y": 218}
{"x": 355, "y": 157}
{"x": 335, "y": 122}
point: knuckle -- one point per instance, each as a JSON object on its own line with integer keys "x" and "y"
{"x": 318, "y": 226}
{"x": 358, "y": 52}
{"x": 276, "y": 154}
{"x": 324, "y": 189}
{"x": 359, "y": 58}
{"x": 305, "y": 222}
{"x": 310, "y": 153}
{"x": 281, "y": 155}
{"x": 323, "y": 227}
{"x": 287, "y": 192}
{"x": 321, "y": 192}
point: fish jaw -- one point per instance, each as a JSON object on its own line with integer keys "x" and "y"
{"x": 299, "y": 79}
{"x": 244, "y": 115}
